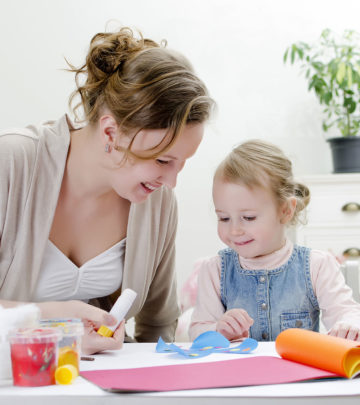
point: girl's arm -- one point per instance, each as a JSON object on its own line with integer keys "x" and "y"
{"x": 208, "y": 309}
{"x": 340, "y": 312}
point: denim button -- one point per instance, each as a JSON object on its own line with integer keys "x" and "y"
{"x": 298, "y": 324}
{"x": 265, "y": 336}
{"x": 262, "y": 279}
{"x": 263, "y": 305}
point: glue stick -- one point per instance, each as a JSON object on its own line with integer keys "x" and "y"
{"x": 119, "y": 310}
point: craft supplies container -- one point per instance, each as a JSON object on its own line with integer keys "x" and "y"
{"x": 34, "y": 356}
{"x": 72, "y": 330}
{"x": 21, "y": 316}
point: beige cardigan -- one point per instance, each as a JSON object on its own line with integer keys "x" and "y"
{"x": 32, "y": 163}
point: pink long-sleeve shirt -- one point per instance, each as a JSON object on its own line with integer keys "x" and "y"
{"x": 333, "y": 295}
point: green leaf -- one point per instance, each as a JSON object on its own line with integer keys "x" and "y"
{"x": 333, "y": 67}
{"x": 350, "y": 105}
{"x": 327, "y": 97}
{"x": 286, "y": 55}
{"x": 318, "y": 66}
{"x": 349, "y": 76}
{"x": 292, "y": 55}
{"x": 341, "y": 72}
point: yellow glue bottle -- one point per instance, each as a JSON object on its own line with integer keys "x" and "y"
{"x": 119, "y": 310}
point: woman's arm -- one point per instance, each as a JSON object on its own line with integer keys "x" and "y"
{"x": 160, "y": 312}
{"x": 92, "y": 318}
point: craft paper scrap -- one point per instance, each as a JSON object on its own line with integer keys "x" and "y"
{"x": 338, "y": 355}
{"x": 235, "y": 372}
{"x": 210, "y": 338}
{"x": 207, "y": 343}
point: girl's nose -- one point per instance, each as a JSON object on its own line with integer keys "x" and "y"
{"x": 236, "y": 229}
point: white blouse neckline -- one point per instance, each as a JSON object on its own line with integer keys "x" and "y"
{"x": 61, "y": 279}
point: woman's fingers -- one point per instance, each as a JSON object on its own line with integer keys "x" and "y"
{"x": 95, "y": 343}
{"x": 76, "y": 309}
{"x": 89, "y": 312}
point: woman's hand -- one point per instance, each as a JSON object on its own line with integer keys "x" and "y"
{"x": 92, "y": 318}
{"x": 234, "y": 324}
{"x": 92, "y": 342}
{"x": 345, "y": 330}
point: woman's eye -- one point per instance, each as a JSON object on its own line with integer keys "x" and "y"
{"x": 249, "y": 219}
{"x": 162, "y": 162}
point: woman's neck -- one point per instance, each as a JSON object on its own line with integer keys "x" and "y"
{"x": 85, "y": 175}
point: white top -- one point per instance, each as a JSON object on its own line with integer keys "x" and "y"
{"x": 60, "y": 279}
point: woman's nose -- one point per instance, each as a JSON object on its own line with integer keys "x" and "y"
{"x": 169, "y": 178}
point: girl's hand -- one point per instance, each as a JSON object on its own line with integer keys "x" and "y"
{"x": 234, "y": 324}
{"x": 93, "y": 318}
{"x": 345, "y": 330}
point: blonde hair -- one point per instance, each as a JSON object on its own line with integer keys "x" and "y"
{"x": 144, "y": 85}
{"x": 262, "y": 164}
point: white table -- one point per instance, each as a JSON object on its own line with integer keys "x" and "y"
{"x": 143, "y": 354}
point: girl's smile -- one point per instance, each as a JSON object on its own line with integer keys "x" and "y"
{"x": 250, "y": 221}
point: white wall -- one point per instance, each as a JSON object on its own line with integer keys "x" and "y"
{"x": 236, "y": 47}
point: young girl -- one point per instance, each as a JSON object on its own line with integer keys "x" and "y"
{"x": 262, "y": 283}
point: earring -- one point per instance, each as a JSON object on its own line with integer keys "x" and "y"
{"x": 107, "y": 148}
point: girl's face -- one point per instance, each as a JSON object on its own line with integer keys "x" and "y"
{"x": 250, "y": 220}
{"x": 136, "y": 180}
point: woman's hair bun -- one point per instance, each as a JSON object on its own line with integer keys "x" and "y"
{"x": 108, "y": 51}
{"x": 140, "y": 82}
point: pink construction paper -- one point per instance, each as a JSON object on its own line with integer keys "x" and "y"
{"x": 257, "y": 370}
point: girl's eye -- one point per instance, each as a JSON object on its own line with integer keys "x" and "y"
{"x": 249, "y": 219}
{"x": 223, "y": 219}
{"x": 162, "y": 162}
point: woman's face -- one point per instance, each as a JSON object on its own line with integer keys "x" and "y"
{"x": 137, "y": 179}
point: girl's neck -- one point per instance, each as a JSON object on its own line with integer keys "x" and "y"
{"x": 269, "y": 261}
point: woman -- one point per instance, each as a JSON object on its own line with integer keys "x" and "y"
{"x": 87, "y": 211}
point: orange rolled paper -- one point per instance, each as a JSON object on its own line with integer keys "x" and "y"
{"x": 338, "y": 355}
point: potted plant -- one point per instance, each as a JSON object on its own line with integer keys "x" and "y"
{"x": 332, "y": 67}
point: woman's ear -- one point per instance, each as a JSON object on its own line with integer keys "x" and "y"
{"x": 109, "y": 131}
{"x": 287, "y": 210}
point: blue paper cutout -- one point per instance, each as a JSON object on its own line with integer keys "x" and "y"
{"x": 207, "y": 343}
{"x": 210, "y": 339}
{"x": 163, "y": 347}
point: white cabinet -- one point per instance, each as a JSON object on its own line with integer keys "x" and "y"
{"x": 333, "y": 215}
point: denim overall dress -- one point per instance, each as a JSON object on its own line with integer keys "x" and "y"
{"x": 275, "y": 299}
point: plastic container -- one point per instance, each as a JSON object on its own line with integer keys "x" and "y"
{"x": 34, "y": 356}
{"x": 72, "y": 330}
{"x": 22, "y": 316}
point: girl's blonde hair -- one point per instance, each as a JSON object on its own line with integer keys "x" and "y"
{"x": 257, "y": 163}
{"x": 144, "y": 85}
